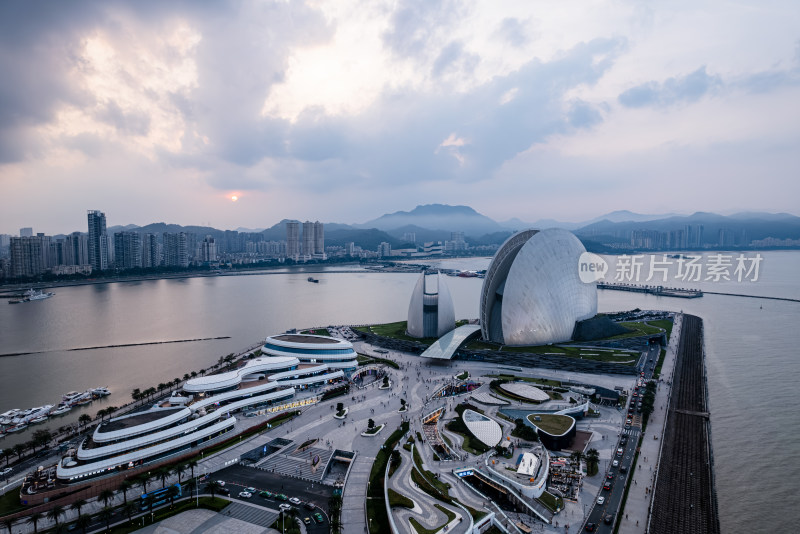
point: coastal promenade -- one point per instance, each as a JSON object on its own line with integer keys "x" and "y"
{"x": 635, "y": 515}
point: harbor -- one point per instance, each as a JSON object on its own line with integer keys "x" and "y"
{"x": 659, "y": 291}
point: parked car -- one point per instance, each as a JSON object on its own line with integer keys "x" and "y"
{"x": 251, "y": 490}
{"x": 245, "y": 494}
{"x": 615, "y": 463}
{"x": 6, "y": 471}
{"x": 285, "y": 507}
{"x": 295, "y": 501}
{"x": 309, "y": 505}
{"x": 266, "y": 494}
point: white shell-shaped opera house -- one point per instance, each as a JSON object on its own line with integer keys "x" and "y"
{"x": 532, "y": 293}
{"x": 431, "y": 312}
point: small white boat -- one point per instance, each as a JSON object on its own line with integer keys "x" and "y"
{"x": 61, "y": 408}
{"x": 37, "y": 420}
{"x": 16, "y": 428}
{"x": 32, "y": 295}
{"x": 101, "y": 392}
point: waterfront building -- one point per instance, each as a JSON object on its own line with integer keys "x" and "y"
{"x": 319, "y": 241}
{"x": 175, "y": 252}
{"x": 27, "y": 256}
{"x": 322, "y": 351}
{"x": 150, "y": 255}
{"x": 5, "y": 243}
{"x": 127, "y": 250}
{"x": 308, "y": 240}
{"x": 98, "y": 240}
{"x": 292, "y": 240}
{"x": 430, "y": 312}
{"x": 76, "y": 249}
{"x": 207, "y": 251}
{"x": 384, "y": 249}
{"x": 532, "y": 293}
{"x": 26, "y": 232}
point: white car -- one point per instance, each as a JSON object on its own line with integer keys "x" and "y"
{"x": 615, "y": 463}
{"x": 221, "y": 483}
{"x": 601, "y": 500}
{"x": 5, "y": 471}
{"x": 295, "y": 501}
{"x": 245, "y": 494}
{"x": 250, "y": 490}
{"x": 285, "y": 507}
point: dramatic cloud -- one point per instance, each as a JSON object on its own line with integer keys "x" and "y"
{"x": 344, "y": 110}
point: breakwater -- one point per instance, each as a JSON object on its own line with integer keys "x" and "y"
{"x": 685, "y": 498}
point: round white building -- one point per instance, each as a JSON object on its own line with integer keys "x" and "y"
{"x": 532, "y": 293}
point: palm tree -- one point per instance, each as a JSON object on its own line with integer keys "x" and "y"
{"x": 178, "y": 470}
{"x": 34, "y": 519}
{"x": 77, "y": 505}
{"x": 105, "y": 515}
{"x": 191, "y": 464}
{"x": 85, "y": 419}
{"x": 8, "y": 523}
{"x": 136, "y": 394}
{"x": 194, "y": 374}
{"x": 19, "y": 449}
{"x": 143, "y": 479}
{"x": 101, "y": 414}
{"x": 130, "y": 509}
{"x": 176, "y": 381}
{"x": 172, "y": 492}
{"x": 124, "y": 486}
{"x": 83, "y": 521}
{"x": 105, "y": 496}
{"x": 55, "y": 513}
{"x": 6, "y": 453}
{"x": 592, "y": 459}
{"x": 161, "y": 387}
{"x": 186, "y": 377}
{"x": 163, "y": 474}
{"x": 213, "y": 488}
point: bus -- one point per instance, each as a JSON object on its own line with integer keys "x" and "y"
{"x": 158, "y": 497}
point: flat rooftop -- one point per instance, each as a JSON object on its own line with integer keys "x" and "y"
{"x": 306, "y": 338}
{"x": 136, "y": 420}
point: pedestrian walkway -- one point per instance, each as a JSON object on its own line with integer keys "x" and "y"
{"x": 633, "y": 518}
{"x": 255, "y": 515}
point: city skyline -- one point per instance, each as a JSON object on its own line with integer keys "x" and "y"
{"x": 239, "y": 115}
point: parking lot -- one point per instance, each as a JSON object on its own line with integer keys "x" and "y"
{"x": 237, "y": 478}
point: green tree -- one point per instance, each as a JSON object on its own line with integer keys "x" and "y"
{"x": 124, "y": 487}
{"x": 178, "y": 470}
{"x": 213, "y": 488}
{"x": 42, "y": 437}
{"x": 370, "y": 424}
{"x": 83, "y": 521}
{"x": 19, "y": 449}
{"x": 8, "y": 523}
{"x": 77, "y": 505}
{"x": 592, "y": 461}
{"x": 172, "y": 492}
{"x": 191, "y": 464}
{"x": 130, "y": 509}
{"x": 84, "y": 419}
{"x": 143, "y": 480}
{"x": 105, "y": 496}
{"x": 105, "y": 516}
{"x": 163, "y": 474}
{"x": 34, "y": 519}
{"x": 186, "y": 377}
{"x": 6, "y": 453}
{"x": 136, "y": 394}
{"x": 55, "y": 514}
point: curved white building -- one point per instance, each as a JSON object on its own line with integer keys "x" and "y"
{"x": 312, "y": 349}
{"x": 292, "y": 362}
{"x": 532, "y": 294}
{"x": 431, "y": 312}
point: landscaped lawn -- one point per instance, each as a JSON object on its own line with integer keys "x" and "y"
{"x": 551, "y": 423}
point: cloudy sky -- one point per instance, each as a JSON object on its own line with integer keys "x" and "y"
{"x": 345, "y": 110}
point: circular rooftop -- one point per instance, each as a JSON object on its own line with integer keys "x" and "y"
{"x": 486, "y": 430}
{"x": 552, "y": 424}
{"x": 307, "y": 339}
{"x": 525, "y": 391}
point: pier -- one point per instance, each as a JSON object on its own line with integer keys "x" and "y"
{"x": 660, "y": 291}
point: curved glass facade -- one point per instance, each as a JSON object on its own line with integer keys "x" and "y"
{"x": 532, "y": 294}
{"x": 311, "y": 352}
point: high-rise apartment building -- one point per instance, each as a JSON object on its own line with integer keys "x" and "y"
{"x": 127, "y": 250}
{"x": 150, "y": 255}
{"x": 98, "y": 240}
{"x": 207, "y": 250}
{"x": 27, "y": 256}
{"x": 308, "y": 239}
{"x": 76, "y": 249}
{"x": 175, "y": 253}
{"x": 292, "y": 239}
{"x": 26, "y": 232}
{"x": 319, "y": 240}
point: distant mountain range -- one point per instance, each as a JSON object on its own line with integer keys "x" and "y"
{"x": 436, "y": 222}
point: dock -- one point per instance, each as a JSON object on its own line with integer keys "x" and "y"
{"x": 660, "y": 291}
